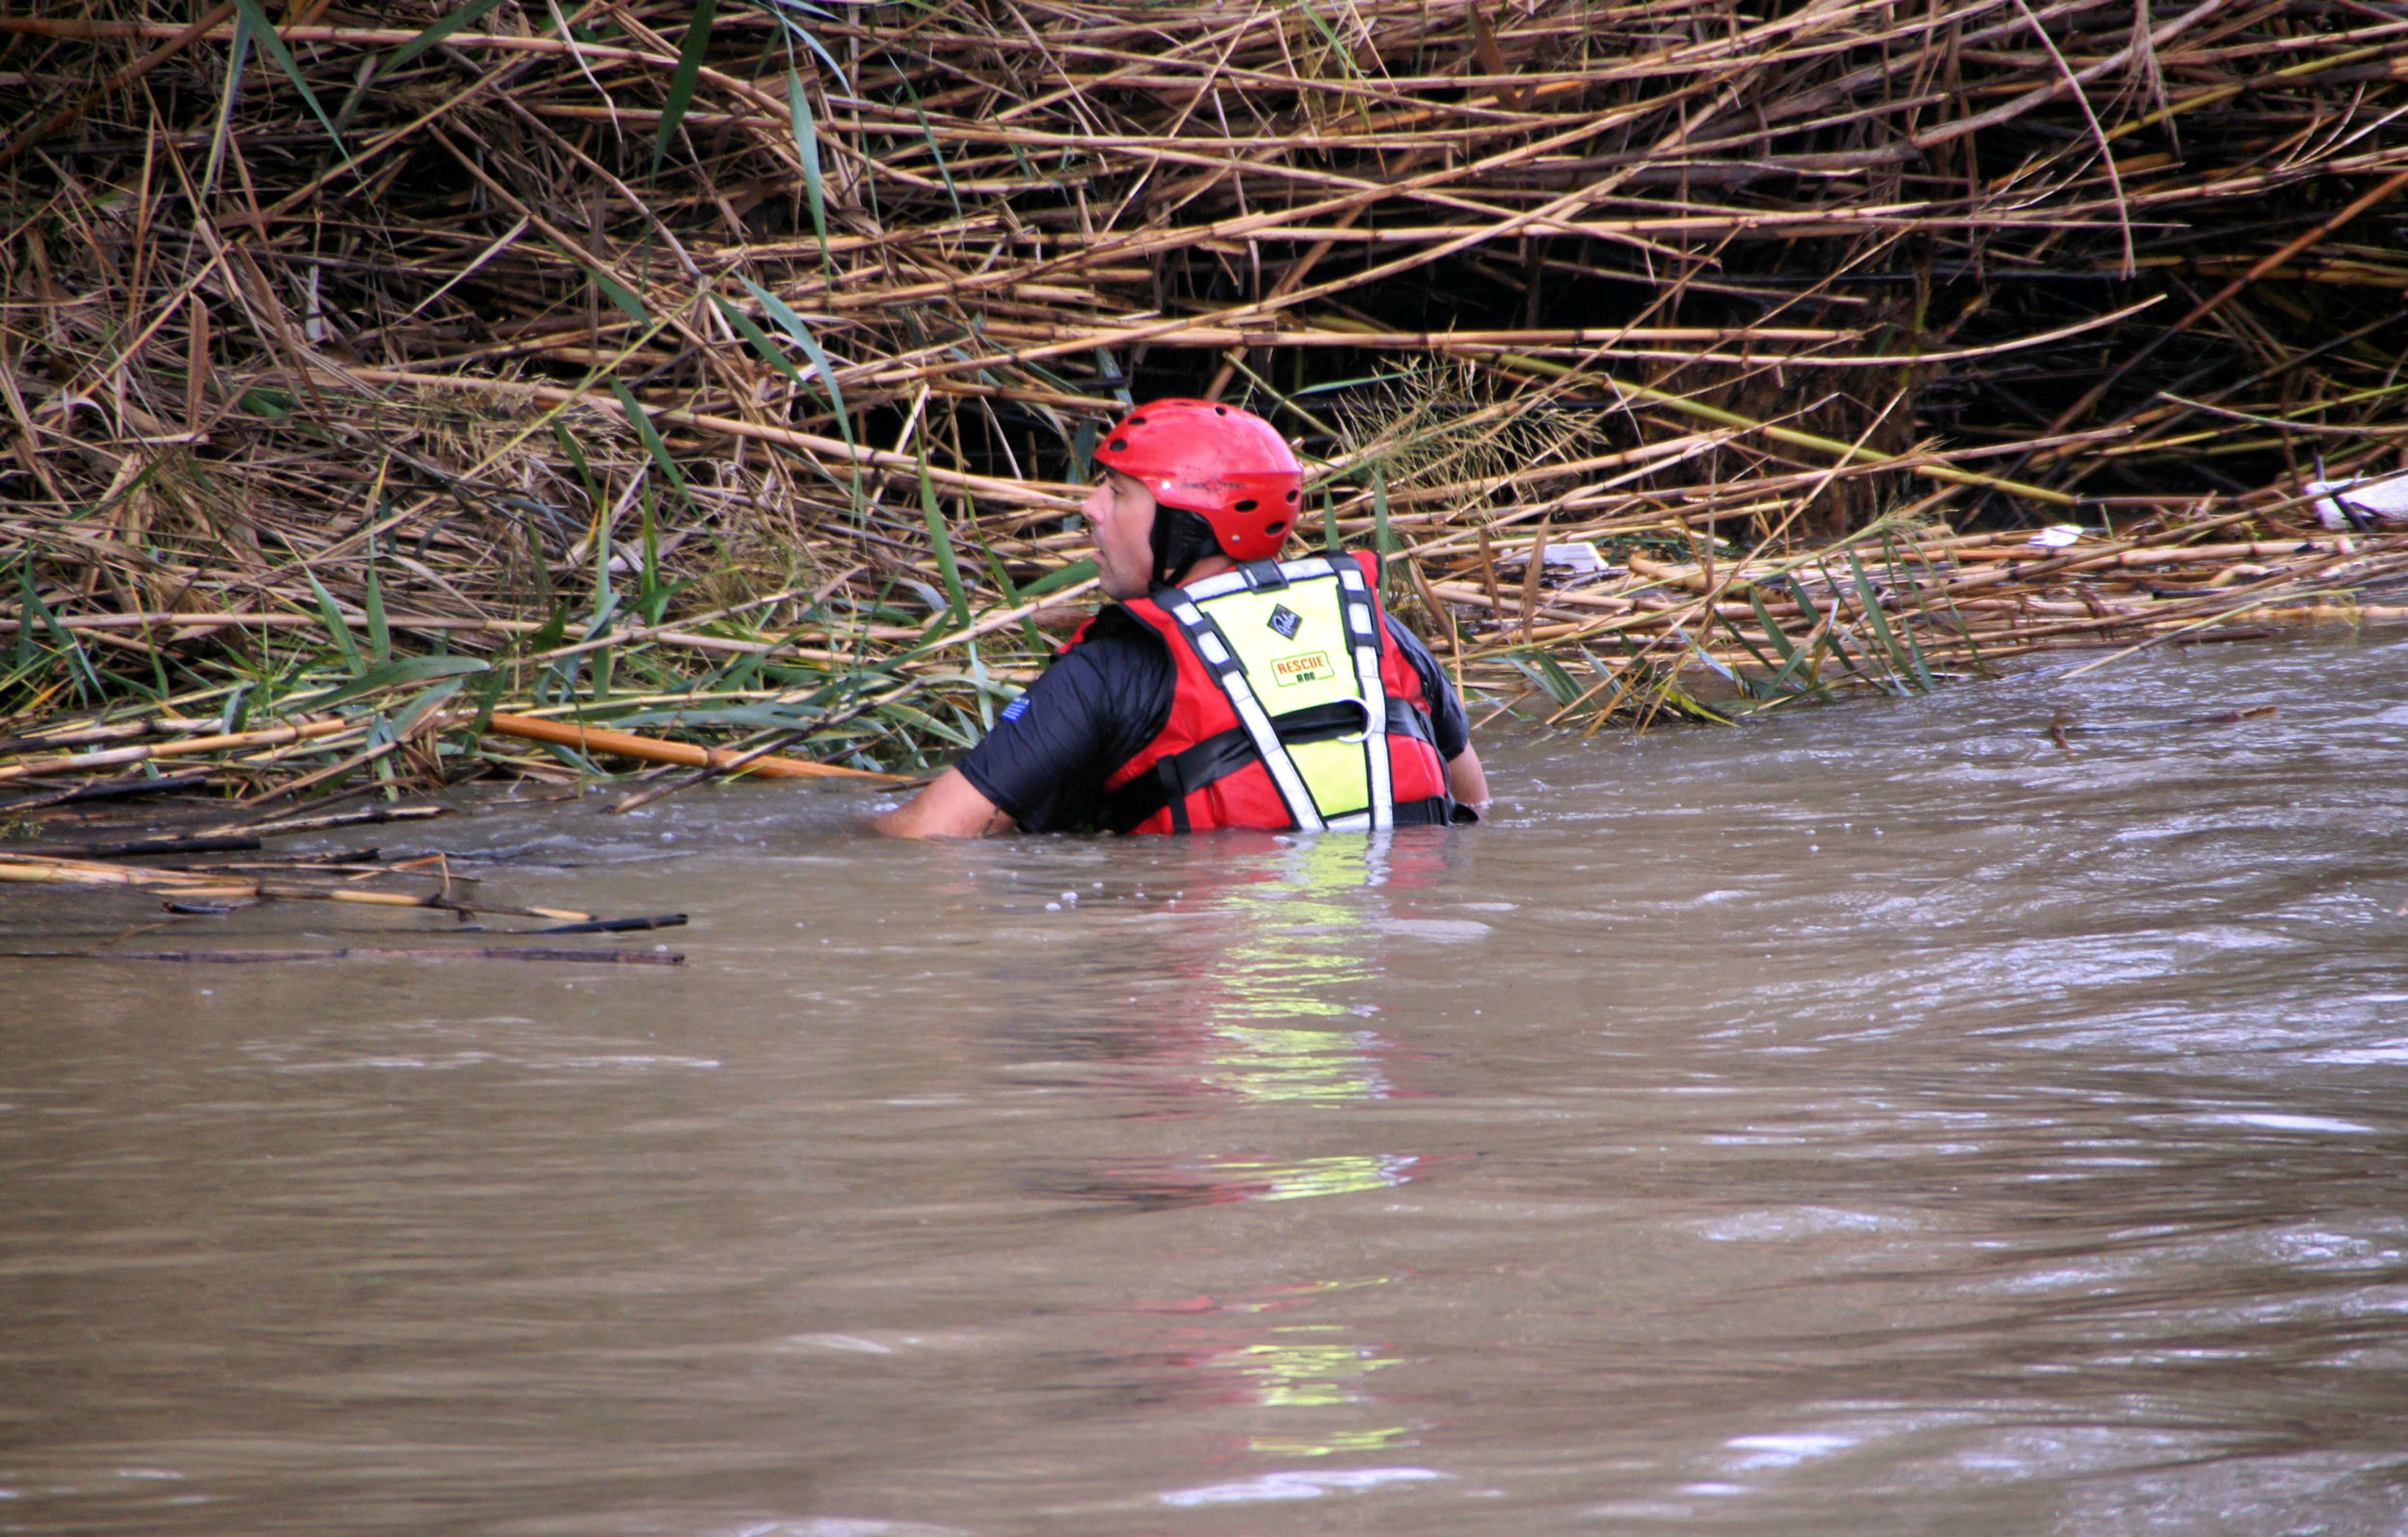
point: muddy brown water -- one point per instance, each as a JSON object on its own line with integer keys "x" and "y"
{"x": 1875, "y": 1120}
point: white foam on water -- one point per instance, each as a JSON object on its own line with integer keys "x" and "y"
{"x": 1443, "y": 930}
{"x": 1298, "y": 1485}
{"x": 1786, "y": 1451}
{"x": 2285, "y": 1123}
{"x": 1796, "y": 1222}
{"x": 842, "y": 1526}
{"x": 854, "y": 1343}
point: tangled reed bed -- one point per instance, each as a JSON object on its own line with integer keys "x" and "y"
{"x": 726, "y": 372}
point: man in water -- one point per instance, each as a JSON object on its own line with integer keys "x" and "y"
{"x": 1225, "y": 687}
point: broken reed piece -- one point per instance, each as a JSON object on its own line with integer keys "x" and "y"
{"x": 108, "y": 789}
{"x": 339, "y": 818}
{"x": 212, "y": 886}
{"x": 57, "y": 867}
{"x": 2227, "y": 717}
{"x": 145, "y": 847}
{"x": 168, "y": 725}
{"x": 2061, "y": 724}
{"x": 296, "y": 892}
{"x": 651, "y": 749}
{"x": 618, "y": 925}
{"x": 426, "y": 952}
{"x": 272, "y": 736}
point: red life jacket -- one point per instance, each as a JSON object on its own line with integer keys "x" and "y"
{"x": 1202, "y": 772}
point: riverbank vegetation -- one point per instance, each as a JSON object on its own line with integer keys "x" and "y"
{"x": 382, "y": 385}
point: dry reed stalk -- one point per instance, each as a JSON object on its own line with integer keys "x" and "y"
{"x": 651, "y": 749}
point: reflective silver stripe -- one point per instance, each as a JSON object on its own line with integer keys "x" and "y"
{"x": 1362, "y": 623}
{"x": 1216, "y": 586}
{"x": 1205, "y": 636}
{"x": 1303, "y": 569}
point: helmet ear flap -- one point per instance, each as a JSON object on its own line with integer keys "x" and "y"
{"x": 1180, "y": 538}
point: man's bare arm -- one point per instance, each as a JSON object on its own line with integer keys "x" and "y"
{"x": 952, "y": 807}
{"x": 1466, "y": 781}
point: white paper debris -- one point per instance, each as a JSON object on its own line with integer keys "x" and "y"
{"x": 1577, "y": 556}
{"x": 2374, "y": 499}
{"x": 2057, "y": 535}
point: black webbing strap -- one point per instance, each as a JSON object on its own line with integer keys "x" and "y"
{"x": 1182, "y": 773}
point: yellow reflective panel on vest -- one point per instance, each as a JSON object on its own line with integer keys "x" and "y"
{"x": 1294, "y": 645}
{"x": 1335, "y": 771}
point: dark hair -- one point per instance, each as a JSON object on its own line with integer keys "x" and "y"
{"x": 1180, "y": 538}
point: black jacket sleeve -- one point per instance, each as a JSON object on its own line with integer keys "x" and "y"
{"x": 1092, "y": 710}
{"x": 1450, "y": 727}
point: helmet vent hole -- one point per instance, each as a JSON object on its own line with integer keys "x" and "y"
{"x": 1291, "y": 496}
{"x": 1277, "y": 525}
{"x": 1220, "y": 410}
{"x": 1119, "y": 445}
{"x": 1135, "y": 421}
{"x": 1249, "y": 504}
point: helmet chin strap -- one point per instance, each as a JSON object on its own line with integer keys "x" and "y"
{"x": 1180, "y": 538}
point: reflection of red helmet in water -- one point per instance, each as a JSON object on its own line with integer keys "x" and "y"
{"x": 1226, "y": 465}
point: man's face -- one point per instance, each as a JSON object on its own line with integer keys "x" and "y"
{"x": 1120, "y": 510}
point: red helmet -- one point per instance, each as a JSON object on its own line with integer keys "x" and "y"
{"x": 1229, "y": 467}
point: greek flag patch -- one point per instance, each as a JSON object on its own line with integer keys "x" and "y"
{"x": 1017, "y": 709}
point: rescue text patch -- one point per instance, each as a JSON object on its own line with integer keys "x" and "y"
{"x": 1305, "y": 667}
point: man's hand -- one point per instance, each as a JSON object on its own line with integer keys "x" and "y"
{"x": 950, "y": 808}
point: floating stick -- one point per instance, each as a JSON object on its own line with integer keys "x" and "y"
{"x": 618, "y": 925}
{"x": 213, "y": 885}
